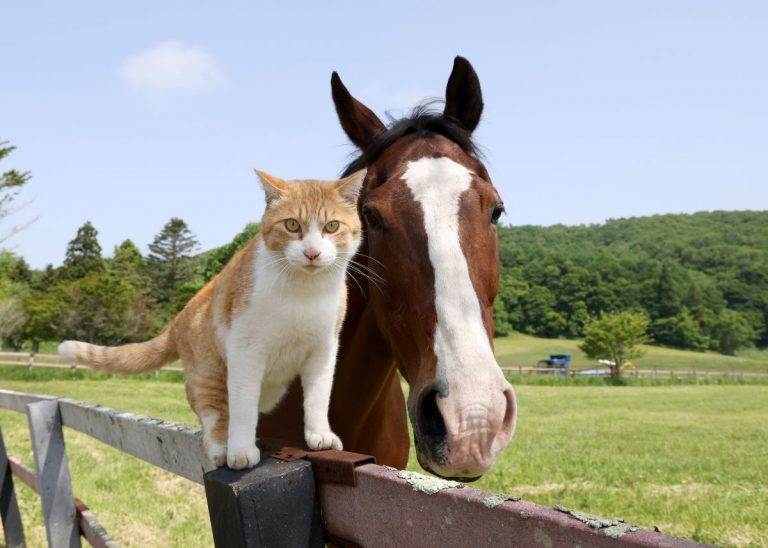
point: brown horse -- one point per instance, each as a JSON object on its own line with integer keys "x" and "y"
{"x": 421, "y": 294}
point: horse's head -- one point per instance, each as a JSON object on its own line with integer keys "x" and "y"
{"x": 431, "y": 251}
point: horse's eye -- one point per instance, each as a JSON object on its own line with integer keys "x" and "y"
{"x": 496, "y": 212}
{"x": 372, "y": 219}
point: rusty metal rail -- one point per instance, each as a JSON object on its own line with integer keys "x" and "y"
{"x": 90, "y": 527}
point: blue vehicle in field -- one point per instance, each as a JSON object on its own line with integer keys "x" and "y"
{"x": 557, "y": 364}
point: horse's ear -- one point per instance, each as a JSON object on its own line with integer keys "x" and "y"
{"x": 273, "y": 186}
{"x": 463, "y": 98}
{"x": 360, "y": 123}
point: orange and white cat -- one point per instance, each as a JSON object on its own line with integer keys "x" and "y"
{"x": 273, "y": 313}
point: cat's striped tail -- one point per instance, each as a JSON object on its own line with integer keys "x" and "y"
{"x": 127, "y": 359}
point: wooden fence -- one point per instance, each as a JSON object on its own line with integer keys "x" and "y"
{"x": 646, "y": 373}
{"x": 32, "y": 359}
{"x": 293, "y": 498}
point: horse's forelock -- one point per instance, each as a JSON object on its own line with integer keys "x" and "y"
{"x": 423, "y": 121}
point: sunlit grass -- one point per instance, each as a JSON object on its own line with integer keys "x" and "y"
{"x": 692, "y": 460}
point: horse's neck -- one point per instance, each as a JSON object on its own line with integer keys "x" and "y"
{"x": 367, "y": 405}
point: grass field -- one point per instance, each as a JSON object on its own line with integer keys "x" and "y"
{"x": 692, "y": 460}
{"x": 519, "y": 349}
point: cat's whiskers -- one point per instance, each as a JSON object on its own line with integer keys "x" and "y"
{"x": 371, "y": 276}
{"x": 338, "y": 266}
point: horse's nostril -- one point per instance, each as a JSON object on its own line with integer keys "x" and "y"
{"x": 430, "y": 419}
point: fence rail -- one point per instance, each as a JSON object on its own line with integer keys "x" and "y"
{"x": 650, "y": 372}
{"x": 33, "y": 359}
{"x": 287, "y": 500}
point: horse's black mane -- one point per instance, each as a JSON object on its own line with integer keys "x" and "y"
{"x": 423, "y": 121}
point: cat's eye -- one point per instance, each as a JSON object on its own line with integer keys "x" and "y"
{"x": 496, "y": 212}
{"x": 331, "y": 227}
{"x": 292, "y": 225}
{"x": 372, "y": 219}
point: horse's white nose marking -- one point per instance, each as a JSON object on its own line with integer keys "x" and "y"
{"x": 461, "y": 342}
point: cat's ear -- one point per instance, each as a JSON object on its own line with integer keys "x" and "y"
{"x": 349, "y": 187}
{"x": 273, "y": 186}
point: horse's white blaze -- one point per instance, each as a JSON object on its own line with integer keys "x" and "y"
{"x": 461, "y": 342}
{"x": 478, "y": 409}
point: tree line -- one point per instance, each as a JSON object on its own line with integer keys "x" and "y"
{"x": 701, "y": 280}
{"x": 695, "y": 281}
{"x": 127, "y": 297}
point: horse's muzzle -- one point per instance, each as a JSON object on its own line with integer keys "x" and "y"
{"x": 459, "y": 436}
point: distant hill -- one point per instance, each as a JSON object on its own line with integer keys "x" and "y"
{"x": 702, "y": 278}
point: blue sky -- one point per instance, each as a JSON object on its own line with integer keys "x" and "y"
{"x": 128, "y": 114}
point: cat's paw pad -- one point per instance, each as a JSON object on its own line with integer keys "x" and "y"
{"x": 322, "y": 440}
{"x": 243, "y": 457}
{"x": 217, "y": 454}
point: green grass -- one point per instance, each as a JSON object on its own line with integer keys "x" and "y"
{"x": 692, "y": 460}
{"x": 519, "y": 349}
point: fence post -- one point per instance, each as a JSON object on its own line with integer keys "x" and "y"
{"x": 53, "y": 477}
{"x": 9, "y": 507}
{"x": 274, "y": 504}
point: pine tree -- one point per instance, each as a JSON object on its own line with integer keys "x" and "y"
{"x": 21, "y": 272}
{"x": 83, "y": 254}
{"x": 11, "y": 182}
{"x": 128, "y": 265}
{"x": 169, "y": 260}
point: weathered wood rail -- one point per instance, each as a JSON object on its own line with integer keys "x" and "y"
{"x": 32, "y": 359}
{"x": 294, "y": 498}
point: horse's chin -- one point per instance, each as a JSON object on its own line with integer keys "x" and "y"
{"x": 425, "y": 464}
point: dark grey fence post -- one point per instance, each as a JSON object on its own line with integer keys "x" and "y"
{"x": 52, "y": 470}
{"x": 9, "y": 507}
{"x": 274, "y": 504}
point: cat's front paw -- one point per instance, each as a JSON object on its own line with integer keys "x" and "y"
{"x": 322, "y": 440}
{"x": 217, "y": 454}
{"x": 243, "y": 457}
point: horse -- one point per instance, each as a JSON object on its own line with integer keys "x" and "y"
{"x": 421, "y": 292}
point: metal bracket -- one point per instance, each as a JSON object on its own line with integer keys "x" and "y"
{"x": 329, "y": 466}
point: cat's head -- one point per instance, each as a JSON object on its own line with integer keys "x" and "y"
{"x": 312, "y": 224}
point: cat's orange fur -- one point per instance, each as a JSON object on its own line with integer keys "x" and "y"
{"x": 200, "y": 333}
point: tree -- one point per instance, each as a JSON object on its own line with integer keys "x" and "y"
{"x": 128, "y": 265}
{"x": 11, "y": 182}
{"x": 83, "y": 255}
{"x": 501, "y": 325}
{"x": 102, "y": 309}
{"x": 217, "y": 258}
{"x": 12, "y": 317}
{"x": 170, "y": 259}
{"x": 667, "y": 301}
{"x": 731, "y": 331}
{"x": 616, "y": 337}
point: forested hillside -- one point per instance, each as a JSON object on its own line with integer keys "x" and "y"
{"x": 702, "y": 278}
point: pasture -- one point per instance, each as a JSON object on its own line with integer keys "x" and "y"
{"x": 519, "y": 349}
{"x": 688, "y": 459}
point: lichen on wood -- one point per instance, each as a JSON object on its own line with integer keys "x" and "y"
{"x": 493, "y": 501}
{"x": 425, "y": 484}
{"x": 613, "y": 528}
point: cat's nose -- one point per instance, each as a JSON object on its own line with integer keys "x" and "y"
{"x": 311, "y": 253}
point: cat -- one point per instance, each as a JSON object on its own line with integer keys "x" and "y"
{"x": 273, "y": 313}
